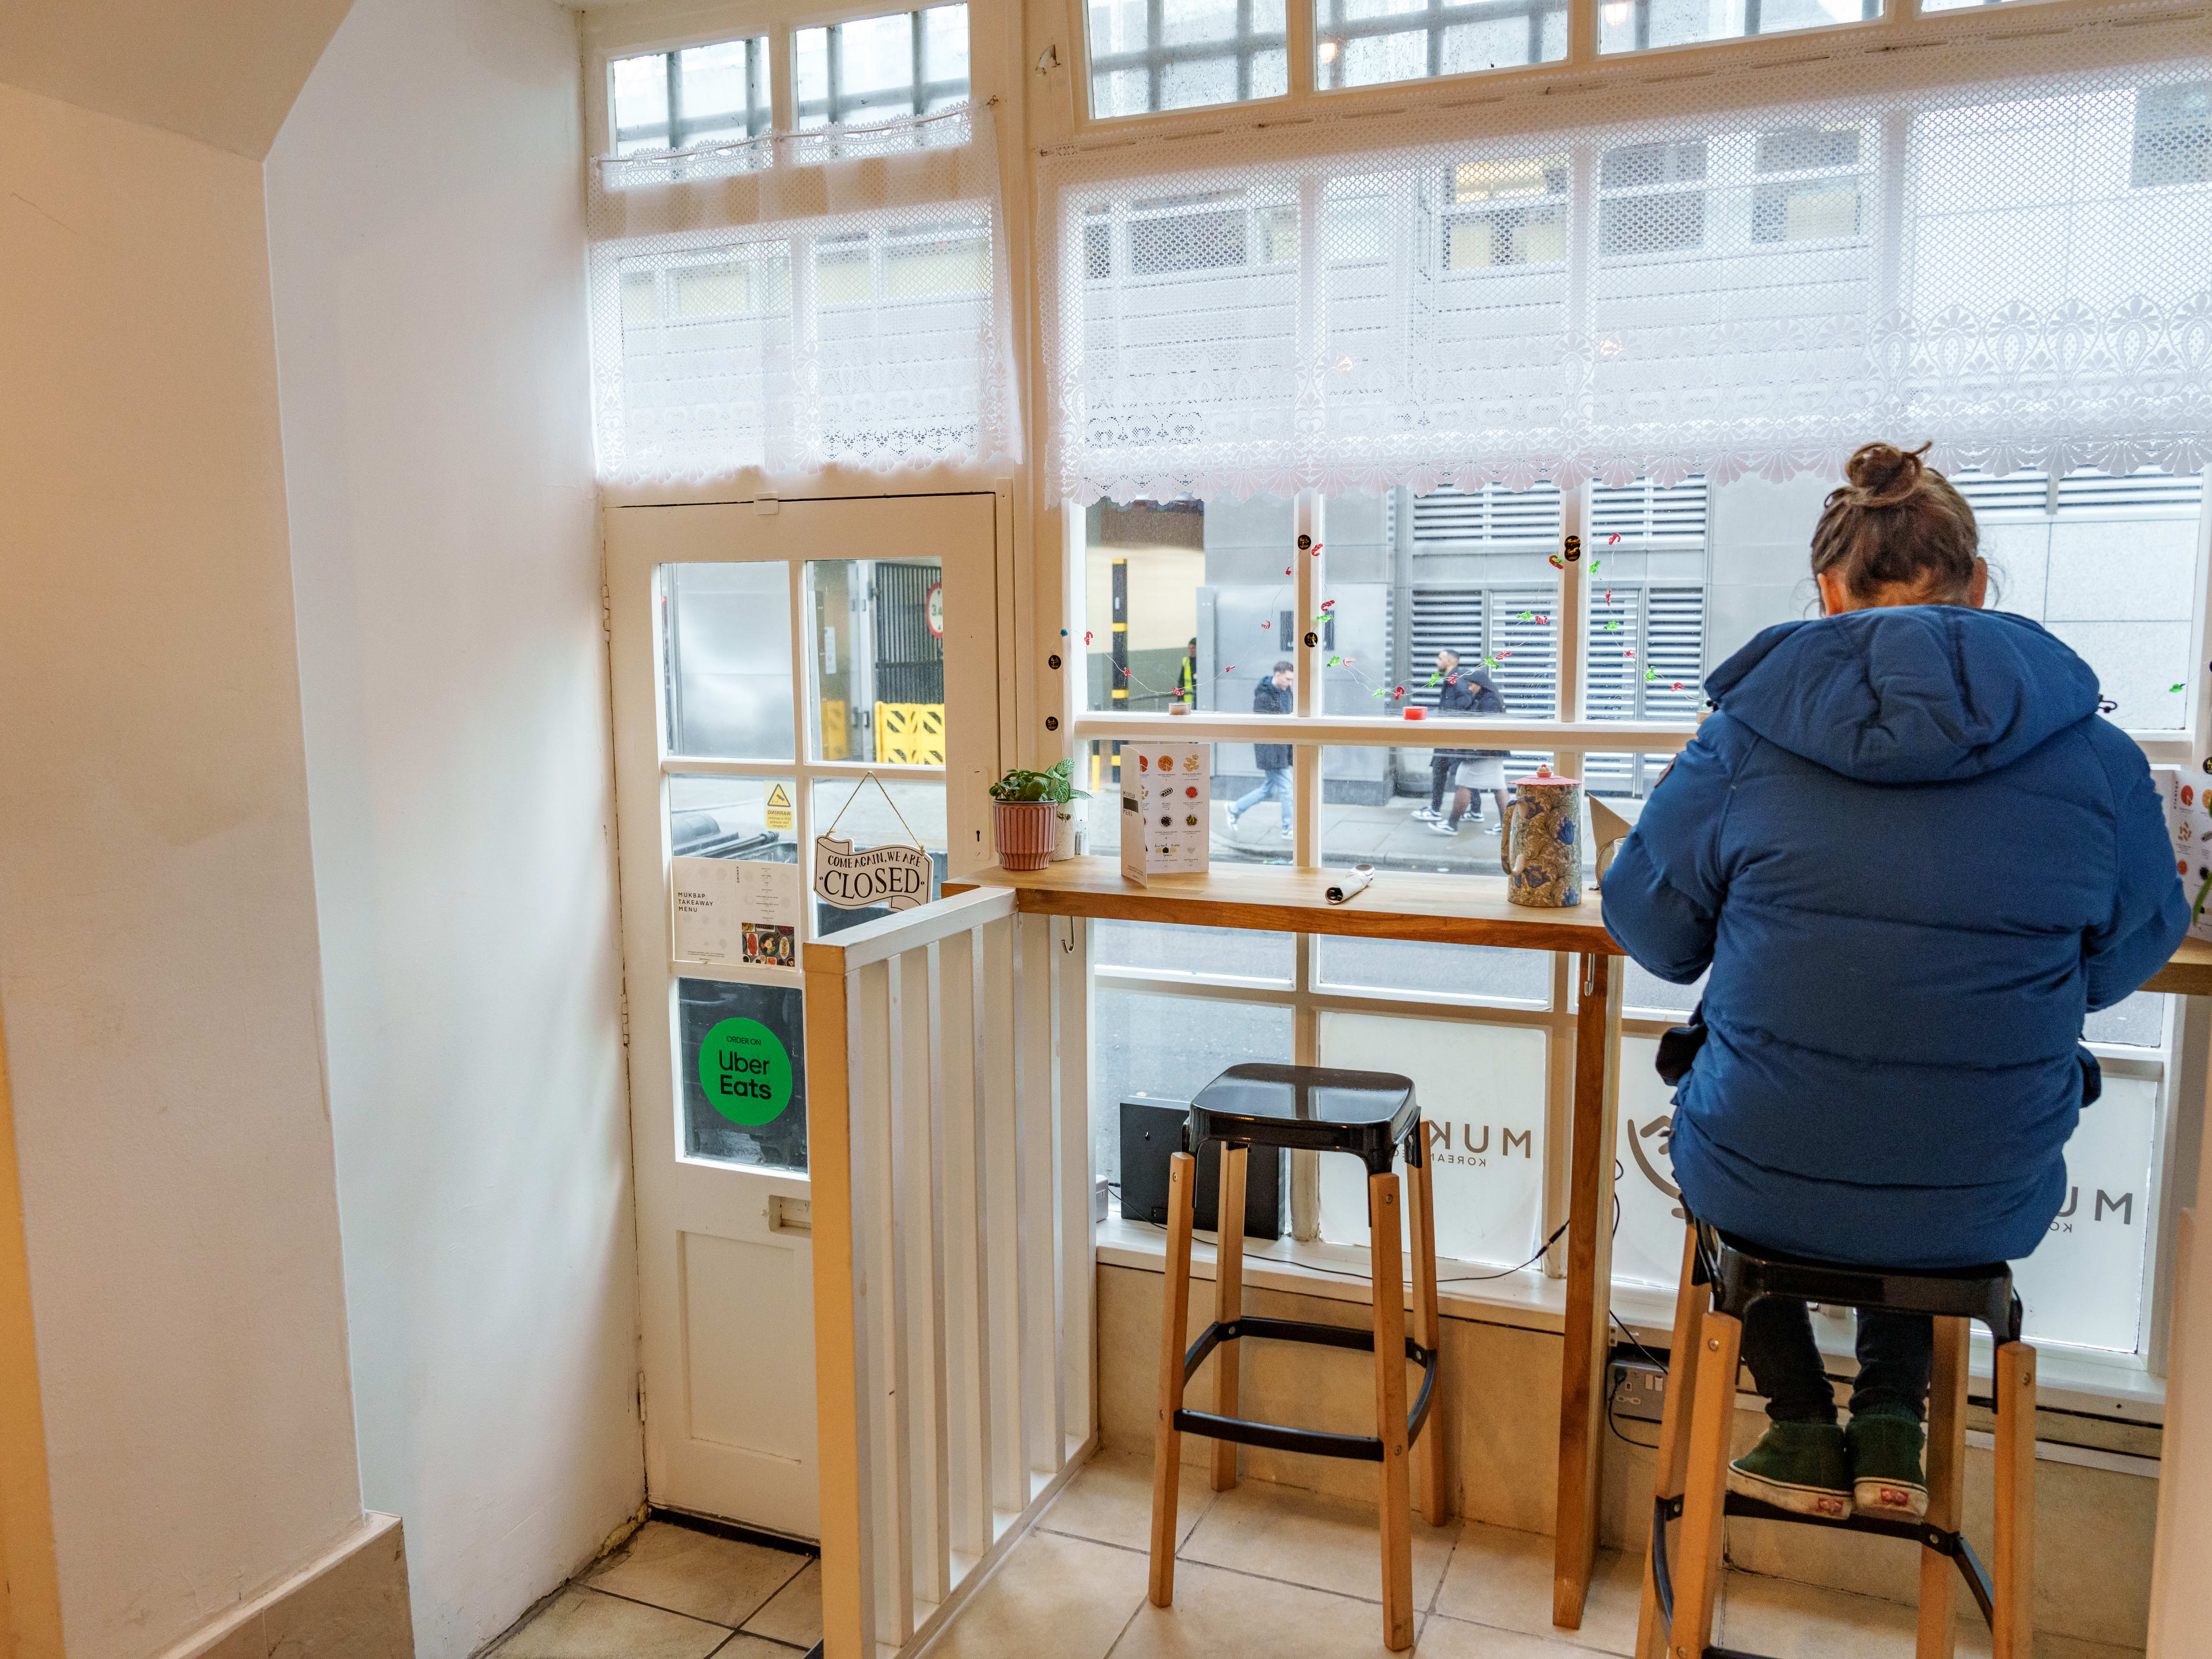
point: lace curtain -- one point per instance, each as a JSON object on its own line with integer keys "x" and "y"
{"x": 2020, "y": 270}
{"x": 790, "y": 304}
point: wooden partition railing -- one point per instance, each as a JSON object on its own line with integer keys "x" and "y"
{"x": 947, "y": 1058}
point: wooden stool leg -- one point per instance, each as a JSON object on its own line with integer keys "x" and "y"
{"x": 1692, "y": 1302}
{"x": 1228, "y": 1303}
{"x": 1698, "y": 1561}
{"x": 2012, "y": 1631}
{"x": 1947, "y": 1460}
{"x": 1167, "y": 1443}
{"x": 1396, "y": 1497}
{"x": 1428, "y": 1330}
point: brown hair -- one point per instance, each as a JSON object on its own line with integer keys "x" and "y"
{"x": 1897, "y": 523}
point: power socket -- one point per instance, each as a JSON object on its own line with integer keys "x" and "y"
{"x": 1637, "y": 1386}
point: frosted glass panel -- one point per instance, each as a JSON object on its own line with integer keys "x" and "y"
{"x": 1481, "y": 1090}
{"x": 728, "y": 660}
{"x": 1362, "y": 43}
{"x": 1212, "y": 952}
{"x": 2083, "y": 1286}
{"x": 1640, "y": 25}
{"x": 1476, "y": 972}
{"x": 1168, "y": 1047}
{"x": 1175, "y": 54}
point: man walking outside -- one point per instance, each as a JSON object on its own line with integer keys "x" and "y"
{"x": 1456, "y": 696}
{"x": 1271, "y": 697}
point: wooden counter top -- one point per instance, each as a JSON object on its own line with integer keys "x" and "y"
{"x": 1440, "y": 909}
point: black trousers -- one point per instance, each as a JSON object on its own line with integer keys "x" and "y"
{"x": 1440, "y": 786}
{"x": 1897, "y": 1352}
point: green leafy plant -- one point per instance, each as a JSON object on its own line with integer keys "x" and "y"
{"x": 1055, "y": 784}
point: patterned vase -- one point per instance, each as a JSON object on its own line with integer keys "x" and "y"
{"x": 1538, "y": 847}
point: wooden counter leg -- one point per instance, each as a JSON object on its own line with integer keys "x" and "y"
{"x": 1395, "y": 1493}
{"x": 1691, "y": 1303}
{"x": 1946, "y": 1467}
{"x": 1589, "y": 1283}
{"x": 1228, "y": 1303}
{"x": 1428, "y": 1329}
{"x": 2012, "y": 1563}
{"x": 1175, "y": 1327}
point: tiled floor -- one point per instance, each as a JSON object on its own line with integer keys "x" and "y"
{"x": 1261, "y": 1570}
{"x": 671, "y": 1593}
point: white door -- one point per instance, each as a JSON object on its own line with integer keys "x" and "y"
{"x": 767, "y": 659}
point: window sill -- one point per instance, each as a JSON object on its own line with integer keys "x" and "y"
{"x": 2069, "y": 1380}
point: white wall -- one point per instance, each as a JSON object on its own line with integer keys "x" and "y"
{"x": 425, "y": 206}
{"x": 157, "y": 921}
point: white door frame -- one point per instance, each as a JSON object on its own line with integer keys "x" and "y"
{"x": 682, "y": 1199}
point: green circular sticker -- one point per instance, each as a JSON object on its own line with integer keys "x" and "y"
{"x": 745, "y": 1071}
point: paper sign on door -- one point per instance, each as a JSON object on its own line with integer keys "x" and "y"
{"x": 737, "y": 911}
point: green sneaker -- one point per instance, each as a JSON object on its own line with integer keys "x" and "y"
{"x": 1803, "y": 1467}
{"x": 1886, "y": 1479}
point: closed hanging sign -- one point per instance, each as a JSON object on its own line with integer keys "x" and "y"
{"x": 897, "y": 877}
{"x": 894, "y": 876}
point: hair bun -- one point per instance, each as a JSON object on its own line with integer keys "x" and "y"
{"x": 1883, "y": 475}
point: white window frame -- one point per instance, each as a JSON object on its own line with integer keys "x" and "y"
{"x": 2128, "y": 1385}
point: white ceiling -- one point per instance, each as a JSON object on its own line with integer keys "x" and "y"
{"x": 222, "y": 71}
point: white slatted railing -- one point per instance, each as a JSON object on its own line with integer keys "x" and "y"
{"x": 947, "y": 1056}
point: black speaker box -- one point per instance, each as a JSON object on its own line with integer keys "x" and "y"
{"x": 1151, "y": 1134}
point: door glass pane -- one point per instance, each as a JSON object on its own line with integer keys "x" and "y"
{"x": 741, "y": 1066}
{"x": 727, "y": 672}
{"x": 1482, "y": 1089}
{"x": 914, "y": 815}
{"x": 876, "y": 668}
{"x": 711, "y": 817}
{"x": 1169, "y": 1047}
{"x": 725, "y": 914}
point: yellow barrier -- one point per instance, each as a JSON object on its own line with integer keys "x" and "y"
{"x": 910, "y": 733}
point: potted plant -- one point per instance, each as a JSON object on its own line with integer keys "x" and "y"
{"x": 1026, "y": 813}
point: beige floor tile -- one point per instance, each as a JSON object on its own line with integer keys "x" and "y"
{"x": 1503, "y": 1578}
{"x": 1052, "y": 1598}
{"x": 742, "y": 1646}
{"x": 1785, "y": 1620}
{"x": 1227, "y": 1615}
{"x": 582, "y": 1624}
{"x": 1111, "y": 1501}
{"x": 717, "y": 1579}
{"x": 1303, "y": 1538}
{"x": 1453, "y": 1638}
{"x": 793, "y": 1613}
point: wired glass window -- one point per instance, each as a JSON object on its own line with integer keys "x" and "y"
{"x": 707, "y": 94}
{"x": 1640, "y": 25}
{"x": 1151, "y": 55}
{"x": 1365, "y": 42}
{"x": 909, "y": 62}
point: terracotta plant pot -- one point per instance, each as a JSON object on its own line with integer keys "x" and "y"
{"x": 1023, "y": 832}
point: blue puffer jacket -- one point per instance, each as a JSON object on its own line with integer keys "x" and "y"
{"x": 1913, "y": 855}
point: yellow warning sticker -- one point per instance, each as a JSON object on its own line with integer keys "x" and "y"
{"x": 779, "y": 808}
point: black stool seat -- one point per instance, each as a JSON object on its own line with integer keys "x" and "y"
{"x": 1307, "y": 1108}
{"x": 1741, "y": 1271}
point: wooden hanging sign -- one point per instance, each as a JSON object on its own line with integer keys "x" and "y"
{"x": 894, "y": 876}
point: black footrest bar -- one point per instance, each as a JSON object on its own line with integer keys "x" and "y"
{"x": 1359, "y": 1448}
{"x": 1952, "y": 1544}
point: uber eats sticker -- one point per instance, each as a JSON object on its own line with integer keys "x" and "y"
{"x": 745, "y": 1071}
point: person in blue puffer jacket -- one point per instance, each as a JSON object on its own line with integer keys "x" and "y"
{"x": 1913, "y": 855}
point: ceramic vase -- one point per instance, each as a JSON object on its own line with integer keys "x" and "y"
{"x": 1022, "y": 832}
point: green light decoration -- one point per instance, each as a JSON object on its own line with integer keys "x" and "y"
{"x": 2176, "y": 686}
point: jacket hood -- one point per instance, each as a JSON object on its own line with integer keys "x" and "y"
{"x": 1906, "y": 694}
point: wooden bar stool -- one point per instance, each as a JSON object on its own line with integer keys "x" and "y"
{"x": 1721, "y": 1278}
{"x": 1309, "y": 1109}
